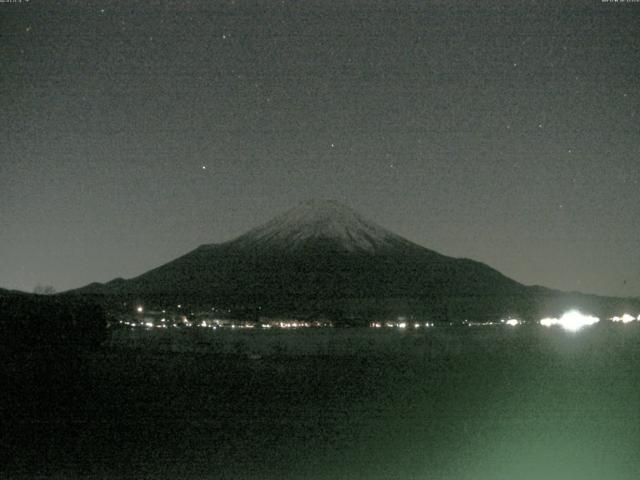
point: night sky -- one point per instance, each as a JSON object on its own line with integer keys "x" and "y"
{"x": 135, "y": 131}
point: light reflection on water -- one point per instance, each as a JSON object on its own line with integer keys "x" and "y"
{"x": 444, "y": 404}
{"x": 545, "y": 406}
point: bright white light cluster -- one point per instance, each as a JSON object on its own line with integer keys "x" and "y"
{"x": 625, "y": 318}
{"x": 573, "y": 321}
{"x": 512, "y": 322}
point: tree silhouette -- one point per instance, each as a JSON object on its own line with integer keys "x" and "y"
{"x": 44, "y": 290}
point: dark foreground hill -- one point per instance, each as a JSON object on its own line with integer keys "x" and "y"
{"x": 56, "y": 324}
{"x": 324, "y": 259}
{"x": 10, "y": 293}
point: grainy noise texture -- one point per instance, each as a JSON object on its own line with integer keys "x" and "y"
{"x": 503, "y": 132}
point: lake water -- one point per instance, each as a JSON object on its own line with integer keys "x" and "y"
{"x": 522, "y": 403}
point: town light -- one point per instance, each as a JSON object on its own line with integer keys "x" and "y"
{"x": 625, "y": 318}
{"x": 549, "y": 322}
{"x": 572, "y": 321}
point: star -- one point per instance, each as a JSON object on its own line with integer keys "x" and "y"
{"x": 333, "y": 145}
{"x": 204, "y": 167}
{"x": 102, "y": 10}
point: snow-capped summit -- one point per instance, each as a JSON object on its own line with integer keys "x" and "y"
{"x": 321, "y": 220}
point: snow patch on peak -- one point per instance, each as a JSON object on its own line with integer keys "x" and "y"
{"x": 321, "y": 219}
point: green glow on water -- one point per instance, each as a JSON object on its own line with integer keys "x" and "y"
{"x": 525, "y": 403}
{"x": 559, "y": 407}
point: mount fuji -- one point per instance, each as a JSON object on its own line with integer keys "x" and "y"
{"x": 321, "y": 258}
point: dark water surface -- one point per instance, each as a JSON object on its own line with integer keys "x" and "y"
{"x": 524, "y": 403}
